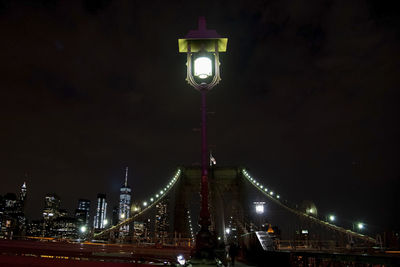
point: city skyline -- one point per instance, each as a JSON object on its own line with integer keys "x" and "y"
{"x": 24, "y": 190}
{"x": 307, "y": 102}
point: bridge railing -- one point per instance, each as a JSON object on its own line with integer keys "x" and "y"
{"x": 318, "y": 245}
{"x": 182, "y": 242}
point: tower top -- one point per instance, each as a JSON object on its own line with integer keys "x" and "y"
{"x": 126, "y": 176}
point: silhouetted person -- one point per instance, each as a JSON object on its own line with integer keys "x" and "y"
{"x": 233, "y": 251}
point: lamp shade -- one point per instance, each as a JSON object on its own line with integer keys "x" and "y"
{"x": 202, "y": 39}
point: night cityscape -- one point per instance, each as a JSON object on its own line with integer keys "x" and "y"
{"x": 184, "y": 133}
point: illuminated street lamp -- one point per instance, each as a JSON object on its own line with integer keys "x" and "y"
{"x": 83, "y": 229}
{"x": 331, "y": 218}
{"x": 202, "y": 47}
{"x": 259, "y": 206}
{"x": 82, "y": 232}
{"x": 358, "y": 226}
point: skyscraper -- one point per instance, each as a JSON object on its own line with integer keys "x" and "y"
{"x": 125, "y": 203}
{"x": 51, "y": 211}
{"x": 12, "y": 217}
{"x": 82, "y": 212}
{"x": 161, "y": 223}
{"x": 22, "y": 195}
{"x": 101, "y": 212}
{"x": 52, "y": 205}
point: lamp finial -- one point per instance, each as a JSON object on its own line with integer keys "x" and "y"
{"x": 202, "y": 23}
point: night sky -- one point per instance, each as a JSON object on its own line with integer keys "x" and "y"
{"x": 308, "y": 99}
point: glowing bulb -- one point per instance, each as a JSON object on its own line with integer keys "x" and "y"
{"x": 259, "y": 209}
{"x": 181, "y": 260}
{"x": 202, "y": 67}
{"x": 145, "y": 203}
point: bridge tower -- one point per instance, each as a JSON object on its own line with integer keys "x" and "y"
{"x": 226, "y": 197}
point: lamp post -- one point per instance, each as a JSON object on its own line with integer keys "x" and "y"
{"x": 259, "y": 207}
{"x": 202, "y": 47}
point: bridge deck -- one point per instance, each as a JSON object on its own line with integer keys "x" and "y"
{"x": 38, "y": 253}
